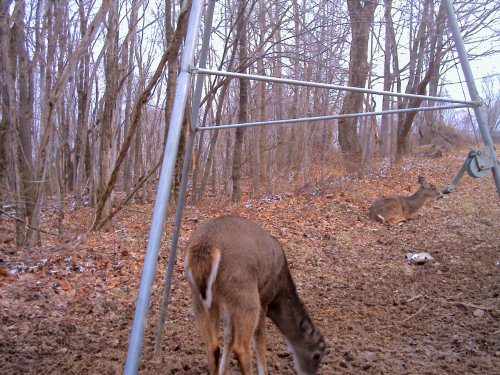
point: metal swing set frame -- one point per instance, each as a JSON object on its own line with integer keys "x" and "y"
{"x": 478, "y": 163}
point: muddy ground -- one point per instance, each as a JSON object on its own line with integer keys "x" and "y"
{"x": 67, "y": 307}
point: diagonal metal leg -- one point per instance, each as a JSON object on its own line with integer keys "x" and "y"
{"x": 457, "y": 177}
{"x": 174, "y": 241}
{"x": 185, "y": 176}
{"x": 163, "y": 195}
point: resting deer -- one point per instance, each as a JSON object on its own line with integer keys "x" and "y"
{"x": 237, "y": 269}
{"x": 397, "y": 208}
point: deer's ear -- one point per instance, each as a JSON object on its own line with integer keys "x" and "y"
{"x": 422, "y": 181}
{"x": 306, "y": 326}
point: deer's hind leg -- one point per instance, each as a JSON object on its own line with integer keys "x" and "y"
{"x": 241, "y": 317}
{"x": 208, "y": 323}
{"x": 246, "y": 319}
{"x": 227, "y": 319}
{"x": 395, "y": 220}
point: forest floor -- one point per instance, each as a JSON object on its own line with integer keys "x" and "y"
{"x": 67, "y": 307}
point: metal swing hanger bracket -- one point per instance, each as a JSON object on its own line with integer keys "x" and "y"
{"x": 477, "y": 164}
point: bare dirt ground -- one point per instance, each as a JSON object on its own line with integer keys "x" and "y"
{"x": 68, "y": 307}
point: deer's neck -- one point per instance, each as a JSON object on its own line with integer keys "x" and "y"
{"x": 416, "y": 200}
{"x": 287, "y": 311}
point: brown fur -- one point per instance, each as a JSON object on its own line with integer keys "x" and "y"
{"x": 397, "y": 208}
{"x": 432, "y": 150}
{"x": 203, "y": 255}
{"x": 252, "y": 282}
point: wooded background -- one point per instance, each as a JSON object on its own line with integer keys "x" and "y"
{"x": 87, "y": 90}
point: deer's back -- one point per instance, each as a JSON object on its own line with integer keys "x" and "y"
{"x": 248, "y": 256}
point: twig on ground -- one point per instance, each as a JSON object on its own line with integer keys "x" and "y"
{"x": 414, "y": 298}
{"x": 413, "y": 315}
{"x": 46, "y": 371}
{"x": 469, "y": 305}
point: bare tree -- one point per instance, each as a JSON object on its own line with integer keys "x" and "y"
{"x": 491, "y": 100}
{"x": 243, "y": 102}
{"x": 51, "y": 99}
{"x": 361, "y": 15}
{"x": 129, "y": 47}
{"x": 6, "y": 89}
{"x": 170, "y": 53}
{"x": 110, "y": 97}
{"x": 96, "y": 116}
{"x": 17, "y": 113}
{"x": 389, "y": 46}
{"x": 426, "y": 48}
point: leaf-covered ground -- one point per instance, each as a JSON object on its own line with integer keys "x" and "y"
{"x": 67, "y": 308}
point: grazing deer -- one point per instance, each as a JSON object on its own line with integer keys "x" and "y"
{"x": 397, "y": 208}
{"x": 237, "y": 269}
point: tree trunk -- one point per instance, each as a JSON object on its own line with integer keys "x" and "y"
{"x": 6, "y": 87}
{"x": 384, "y": 128}
{"x": 431, "y": 37}
{"x": 129, "y": 47}
{"x": 110, "y": 97}
{"x": 259, "y": 161}
{"x": 361, "y": 16}
{"x": 243, "y": 103}
{"x": 83, "y": 91}
{"x": 22, "y": 122}
{"x": 9, "y": 115}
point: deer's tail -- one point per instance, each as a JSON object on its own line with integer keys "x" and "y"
{"x": 201, "y": 265}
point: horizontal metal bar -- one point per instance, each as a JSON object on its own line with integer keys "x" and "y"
{"x": 197, "y": 70}
{"x": 331, "y": 117}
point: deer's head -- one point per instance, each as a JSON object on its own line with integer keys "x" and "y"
{"x": 429, "y": 190}
{"x": 307, "y": 355}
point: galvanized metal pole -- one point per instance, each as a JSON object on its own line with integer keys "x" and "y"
{"x": 195, "y": 106}
{"x": 163, "y": 195}
{"x": 471, "y": 85}
{"x": 173, "y": 243}
{"x": 330, "y": 117}
{"x": 328, "y": 86}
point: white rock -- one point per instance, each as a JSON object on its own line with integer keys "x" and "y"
{"x": 418, "y": 258}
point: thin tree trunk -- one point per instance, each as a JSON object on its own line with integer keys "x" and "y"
{"x": 20, "y": 73}
{"x": 9, "y": 116}
{"x": 279, "y": 153}
{"x": 418, "y": 85}
{"x": 129, "y": 47}
{"x": 6, "y": 89}
{"x": 82, "y": 88}
{"x": 243, "y": 103}
{"x": 384, "y": 131}
{"x": 110, "y": 98}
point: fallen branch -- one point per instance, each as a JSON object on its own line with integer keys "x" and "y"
{"x": 414, "y": 298}
{"x": 55, "y": 364}
{"x": 26, "y": 223}
{"x": 413, "y": 315}
{"x": 469, "y": 305}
